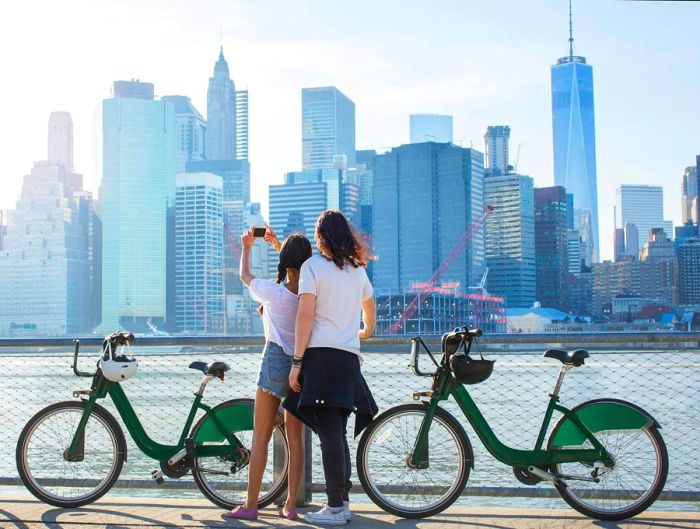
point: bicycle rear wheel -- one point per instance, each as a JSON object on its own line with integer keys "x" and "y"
{"x": 384, "y": 451}
{"x": 46, "y": 472}
{"x": 630, "y": 486}
{"x": 225, "y": 484}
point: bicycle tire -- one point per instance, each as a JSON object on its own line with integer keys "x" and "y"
{"x": 31, "y": 482}
{"x": 449, "y": 423}
{"x": 279, "y": 484}
{"x": 571, "y": 497}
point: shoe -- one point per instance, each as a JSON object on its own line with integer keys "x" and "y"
{"x": 240, "y": 513}
{"x": 346, "y": 510}
{"x": 327, "y": 516}
{"x": 289, "y": 514}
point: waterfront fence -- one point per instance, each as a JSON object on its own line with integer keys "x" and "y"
{"x": 659, "y": 372}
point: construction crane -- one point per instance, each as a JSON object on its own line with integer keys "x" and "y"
{"x": 444, "y": 267}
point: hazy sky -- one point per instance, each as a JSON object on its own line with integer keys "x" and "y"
{"x": 484, "y": 62}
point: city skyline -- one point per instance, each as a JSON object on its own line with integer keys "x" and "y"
{"x": 640, "y": 156}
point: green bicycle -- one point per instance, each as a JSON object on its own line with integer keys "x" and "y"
{"x": 605, "y": 457}
{"x": 71, "y": 453}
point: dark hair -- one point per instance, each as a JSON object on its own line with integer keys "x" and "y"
{"x": 294, "y": 251}
{"x": 337, "y": 241}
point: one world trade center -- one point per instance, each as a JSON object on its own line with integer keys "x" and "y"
{"x": 573, "y": 123}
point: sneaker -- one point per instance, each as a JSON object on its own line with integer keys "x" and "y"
{"x": 346, "y": 510}
{"x": 327, "y": 516}
{"x": 239, "y": 513}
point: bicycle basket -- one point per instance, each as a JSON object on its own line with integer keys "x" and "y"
{"x": 467, "y": 370}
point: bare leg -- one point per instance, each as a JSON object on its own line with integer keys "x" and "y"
{"x": 294, "y": 428}
{"x": 266, "y": 406}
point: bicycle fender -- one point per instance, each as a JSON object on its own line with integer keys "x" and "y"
{"x": 236, "y": 418}
{"x": 599, "y": 415}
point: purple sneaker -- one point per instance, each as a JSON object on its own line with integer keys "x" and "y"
{"x": 240, "y": 513}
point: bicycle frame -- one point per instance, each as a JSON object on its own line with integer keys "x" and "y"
{"x": 101, "y": 388}
{"x": 444, "y": 386}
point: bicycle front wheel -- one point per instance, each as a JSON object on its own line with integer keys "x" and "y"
{"x": 630, "y": 486}
{"x": 225, "y": 483}
{"x": 41, "y": 460}
{"x": 384, "y": 452}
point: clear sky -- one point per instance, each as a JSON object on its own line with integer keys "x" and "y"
{"x": 485, "y": 63}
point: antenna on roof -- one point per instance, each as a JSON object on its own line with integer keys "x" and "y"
{"x": 571, "y": 34}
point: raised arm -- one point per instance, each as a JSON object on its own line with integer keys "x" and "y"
{"x": 369, "y": 318}
{"x": 247, "y": 241}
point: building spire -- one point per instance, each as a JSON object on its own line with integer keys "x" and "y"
{"x": 571, "y": 34}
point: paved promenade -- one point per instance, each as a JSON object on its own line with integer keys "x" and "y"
{"x": 23, "y": 512}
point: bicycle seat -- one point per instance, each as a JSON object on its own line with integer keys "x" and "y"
{"x": 571, "y": 358}
{"x": 216, "y": 369}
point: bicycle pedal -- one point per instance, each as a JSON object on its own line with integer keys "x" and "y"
{"x": 418, "y": 394}
{"x": 157, "y": 476}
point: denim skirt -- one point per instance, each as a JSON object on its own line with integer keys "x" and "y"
{"x": 275, "y": 365}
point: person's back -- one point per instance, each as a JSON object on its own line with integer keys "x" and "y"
{"x": 339, "y": 295}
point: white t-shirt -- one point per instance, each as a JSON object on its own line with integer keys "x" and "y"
{"x": 339, "y": 296}
{"x": 279, "y": 311}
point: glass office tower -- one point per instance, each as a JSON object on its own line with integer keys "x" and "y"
{"x": 573, "y": 127}
{"x": 327, "y": 128}
{"x": 427, "y": 197}
{"x": 138, "y": 187}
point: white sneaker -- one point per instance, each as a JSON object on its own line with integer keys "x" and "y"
{"x": 327, "y": 516}
{"x": 346, "y": 510}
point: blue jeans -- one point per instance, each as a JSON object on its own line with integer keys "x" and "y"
{"x": 275, "y": 365}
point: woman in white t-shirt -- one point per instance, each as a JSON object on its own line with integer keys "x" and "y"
{"x": 279, "y": 309}
{"x": 334, "y": 296}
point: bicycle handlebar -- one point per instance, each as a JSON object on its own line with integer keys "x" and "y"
{"x": 75, "y": 362}
{"x": 417, "y": 341}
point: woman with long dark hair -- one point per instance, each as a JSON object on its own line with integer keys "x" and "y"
{"x": 279, "y": 308}
{"x": 327, "y": 385}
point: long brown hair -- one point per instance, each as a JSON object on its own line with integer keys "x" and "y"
{"x": 337, "y": 241}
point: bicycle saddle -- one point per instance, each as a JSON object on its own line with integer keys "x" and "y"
{"x": 572, "y": 358}
{"x": 216, "y": 369}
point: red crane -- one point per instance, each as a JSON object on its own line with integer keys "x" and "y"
{"x": 444, "y": 267}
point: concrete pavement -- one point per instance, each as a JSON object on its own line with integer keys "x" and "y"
{"x": 24, "y": 512}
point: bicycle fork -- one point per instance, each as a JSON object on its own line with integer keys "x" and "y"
{"x": 420, "y": 457}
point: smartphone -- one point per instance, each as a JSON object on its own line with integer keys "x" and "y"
{"x": 259, "y": 232}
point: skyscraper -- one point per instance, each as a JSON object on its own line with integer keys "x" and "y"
{"x": 510, "y": 238}
{"x": 642, "y": 206}
{"x": 48, "y": 239}
{"x": 138, "y": 188}
{"x": 241, "y": 124}
{"x": 497, "y": 154}
{"x": 430, "y": 127}
{"x": 689, "y": 272}
{"x": 199, "y": 253}
{"x": 573, "y": 127}
{"x": 221, "y": 113}
{"x": 551, "y": 246}
{"x": 191, "y": 131}
{"x": 327, "y": 128}
{"x": 689, "y": 195}
{"x": 427, "y": 197}
{"x": 295, "y": 205}
{"x": 60, "y": 144}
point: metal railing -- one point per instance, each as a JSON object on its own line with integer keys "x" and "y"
{"x": 658, "y": 371}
